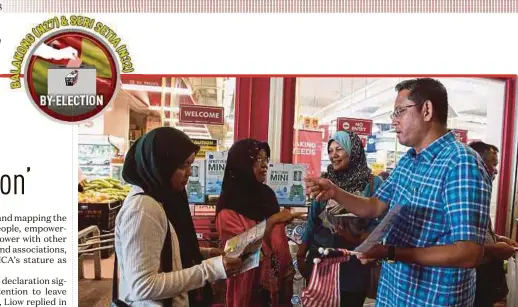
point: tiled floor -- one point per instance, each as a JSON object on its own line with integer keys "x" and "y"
{"x": 96, "y": 293}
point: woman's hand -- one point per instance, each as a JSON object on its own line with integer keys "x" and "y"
{"x": 283, "y": 217}
{"x": 503, "y": 251}
{"x": 232, "y": 265}
{"x": 507, "y": 241}
{"x": 215, "y": 252}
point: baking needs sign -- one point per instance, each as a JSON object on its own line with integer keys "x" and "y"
{"x": 308, "y": 150}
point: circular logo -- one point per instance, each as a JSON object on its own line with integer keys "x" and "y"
{"x": 295, "y": 300}
{"x": 299, "y": 230}
{"x": 71, "y": 75}
{"x": 346, "y": 125}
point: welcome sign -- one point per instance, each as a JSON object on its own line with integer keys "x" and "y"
{"x": 195, "y": 114}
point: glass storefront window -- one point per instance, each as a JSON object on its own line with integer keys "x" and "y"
{"x": 365, "y": 104}
{"x": 160, "y": 99}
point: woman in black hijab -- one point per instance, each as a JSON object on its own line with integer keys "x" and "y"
{"x": 246, "y": 201}
{"x": 155, "y": 223}
{"x": 243, "y": 188}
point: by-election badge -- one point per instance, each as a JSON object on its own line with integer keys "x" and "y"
{"x": 76, "y": 88}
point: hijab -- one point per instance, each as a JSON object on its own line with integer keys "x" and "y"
{"x": 150, "y": 164}
{"x": 241, "y": 191}
{"x": 355, "y": 177}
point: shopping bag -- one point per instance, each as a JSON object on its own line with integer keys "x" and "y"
{"x": 323, "y": 289}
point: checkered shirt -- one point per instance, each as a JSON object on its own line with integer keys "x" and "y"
{"x": 445, "y": 193}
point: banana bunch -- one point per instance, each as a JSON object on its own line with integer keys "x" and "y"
{"x": 92, "y": 197}
{"x": 103, "y": 191}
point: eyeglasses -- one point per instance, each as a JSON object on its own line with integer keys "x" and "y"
{"x": 399, "y": 111}
{"x": 262, "y": 160}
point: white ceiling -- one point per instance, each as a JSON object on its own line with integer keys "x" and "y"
{"x": 373, "y": 98}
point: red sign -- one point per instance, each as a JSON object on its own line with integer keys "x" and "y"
{"x": 308, "y": 150}
{"x": 142, "y": 80}
{"x": 356, "y": 125}
{"x": 325, "y": 132}
{"x": 461, "y": 135}
{"x": 195, "y": 114}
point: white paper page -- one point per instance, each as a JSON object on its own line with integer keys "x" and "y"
{"x": 380, "y": 231}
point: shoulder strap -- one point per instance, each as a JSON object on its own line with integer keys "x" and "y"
{"x": 371, "y": 182}
{"x": 115, "y": 284}
{"x": 166, "y": 259}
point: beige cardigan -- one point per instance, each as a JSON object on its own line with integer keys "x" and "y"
{"x": 140, "y": 230}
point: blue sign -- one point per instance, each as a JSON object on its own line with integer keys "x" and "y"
{"x": 371, "y": 143}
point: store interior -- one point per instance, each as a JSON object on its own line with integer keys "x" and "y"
{"x": 476, "y": 106}
{"x": 147, "y": 102}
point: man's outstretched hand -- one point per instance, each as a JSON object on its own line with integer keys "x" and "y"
{"x": 320, "y": 189}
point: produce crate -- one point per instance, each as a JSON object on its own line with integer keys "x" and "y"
{"x": 107, "y": 253}
{"x": 101, "y": 215}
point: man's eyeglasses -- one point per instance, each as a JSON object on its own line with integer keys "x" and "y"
{"x": 399, "y": 111}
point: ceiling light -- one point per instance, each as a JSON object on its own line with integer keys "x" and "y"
{"x": 158, "y": 89}
{"x": 165, "y": 108}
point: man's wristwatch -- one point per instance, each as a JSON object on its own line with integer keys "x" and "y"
{"x": 391, "y": 255}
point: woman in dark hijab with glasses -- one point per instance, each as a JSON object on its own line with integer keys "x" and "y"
{"x": 246, "y": 201}
{"x": 155, "y": 220}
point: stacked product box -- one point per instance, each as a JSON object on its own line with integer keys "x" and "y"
{"x": 196, "y": 184}
{"x": 215, "y": 163}
{"x": 287, "y": 181}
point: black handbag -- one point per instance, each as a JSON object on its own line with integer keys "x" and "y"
{"x": 166, "y": 259}
{"x": 491, "y": 281}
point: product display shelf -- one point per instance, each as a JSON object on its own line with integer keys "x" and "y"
{"x": 95, "y": 153}
{"x": 204, "y": 218}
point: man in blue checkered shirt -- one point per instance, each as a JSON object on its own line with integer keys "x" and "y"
{"x": 437, "y": 239}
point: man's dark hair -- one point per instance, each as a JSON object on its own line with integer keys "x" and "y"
{"x": 482, "y": 148}
{"x": 423, "y": 89}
